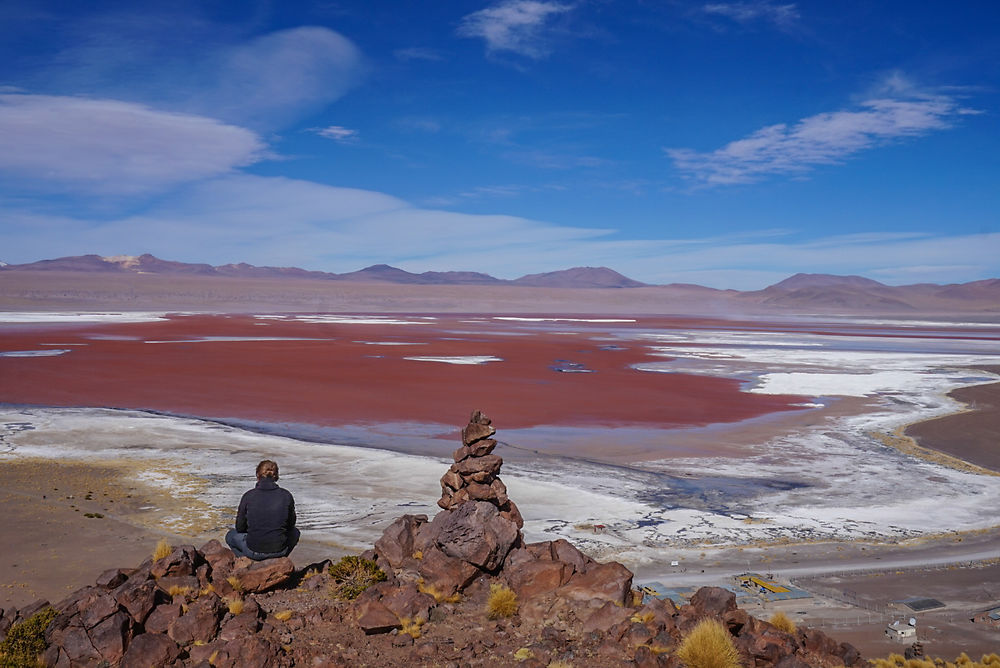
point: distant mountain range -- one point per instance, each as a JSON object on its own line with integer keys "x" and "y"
{"x": 801, "y": 292}
{"x": 577, "y": 277}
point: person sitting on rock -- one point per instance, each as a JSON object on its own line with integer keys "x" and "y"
{"x": 265, "y": 520}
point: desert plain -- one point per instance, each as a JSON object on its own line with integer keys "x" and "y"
{"x": 853, "y": 452}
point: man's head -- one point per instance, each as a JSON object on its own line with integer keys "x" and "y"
{"x": 267, "y": 469}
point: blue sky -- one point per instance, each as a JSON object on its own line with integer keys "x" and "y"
{"x": 729, "y": 144}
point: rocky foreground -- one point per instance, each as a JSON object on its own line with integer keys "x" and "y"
{"x": 203, "y": 607}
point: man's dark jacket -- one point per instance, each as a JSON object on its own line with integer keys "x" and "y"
{"x": 266, "y": 513}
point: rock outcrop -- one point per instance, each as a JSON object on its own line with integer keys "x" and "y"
{"x": 198, "y": 607}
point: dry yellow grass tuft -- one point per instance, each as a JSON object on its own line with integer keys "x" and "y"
{"x": 962, "y": 661}
{"x": 524, "y": 654}
{"x": 781, "y": 620}
{"x": 502, "y": 601}
{"x": 411, "y": 627}
{"x": 559, "y": 664}
{"x": 708, "y": 645}
{"x": 161, "y": 550}
{"x": 284, "y": 615}
{"x": 235, "y": 583}
{"x": 235, "y": 605}
{"x": 438, "y": 595}
{"x": 644, "y": 618}
{"x": 177, "y": 590}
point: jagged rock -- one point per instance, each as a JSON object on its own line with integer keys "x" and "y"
{"x": 848, "y": 653}
{"x": 476, "y": 533}
{"x": 181, "y": 561}
{"x": 32, "y": 608}
{"x": 138, "y": 597}
{"x": 605, "y": 617}
{"x": 259, "y": 576}
{"x": 75, "y": 642}
{"x": 111, "y": 636}
{"x": 373, "y": 617}
{"x": 510, "y": 512}
{"x": 150, "y": 649}
{"x": 608, "y": 582}
{"x": 451, "y": 480}
{"x": 446, "y": 574}
{"x": 564, "y": 551}
{"x": 396, "y": 545}
{"x": 252, "y": 652}
{"x": 538, "y": 577}
{"x": 113, "y": 578}
{"x": 161, "y": 617}
{"x": 407, "y": 602}
{"x": 185, "y": 584}
{"x": 713, "y": 601}
{"x": 219, "y": 557}
{"x": 475, "y": 432}
{"x": 98, "y": 610}
{"x": 791, "y": 661}
{"x": 199, "y": 623}
{"x": 489, "y": 464}
{"x": 239, "y": 626}
{"x": 482, "y": 448}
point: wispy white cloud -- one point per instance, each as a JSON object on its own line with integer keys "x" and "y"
{"x": 418, "y": 53}
{"x": 232, "y": 218}
{"x": 117, "y": 147}
{"x": 823, "y": 139}
{"x": 515, "y": 25}
{"x": 276, "y": 78}
{"x": 783, "y": 16}
{"x": 338, "y": 133}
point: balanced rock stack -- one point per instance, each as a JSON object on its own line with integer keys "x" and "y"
{"x": 475, "y": 474}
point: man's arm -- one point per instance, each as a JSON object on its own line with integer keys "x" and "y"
{"x": 291, "y": 511}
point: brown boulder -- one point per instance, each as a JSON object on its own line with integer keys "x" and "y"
{"x": 113, "y": 578}
{"x": 510, "y": 512}
{"x": 373, "y": 617}
{"x": 396, "y": 544}
{"x": 150, "y": 649}
{"x": 181, "y": 561}
{"x": 111, "y": 636}
{"x": 538, "y": 577}
{"x": 260, "y": 576}
{"x": 200, "y": 623}
{"x": 138, "y": 597}
{"x": 446, "y": 574}
{"x": 476, "y": 533}
{"x": 564, "y": 551}
{"x": 605, "y": 617}
{"x": 75, "y": 642}
{"x": 161, "y": 617}
{"x": 713, "y": 602}
{"x": 609, "y": 582}
{"x": 407, "y": 602}
{"x": 99, "y": 609}
{"x": 239, "y": 626}
{"x": 252, "y": 652}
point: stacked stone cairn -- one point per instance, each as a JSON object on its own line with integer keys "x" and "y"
{"x": 475, "y": 475}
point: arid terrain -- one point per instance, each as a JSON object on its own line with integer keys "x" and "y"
{"x": 722, "y": 441}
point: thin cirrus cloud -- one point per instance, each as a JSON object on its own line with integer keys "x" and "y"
{"x": 339, "y": 133}
{"x": 783, "y": 16}
{"x": 516, "y": 26}
{"x": 104, "y": 146}
{"x": 823, "y": 139}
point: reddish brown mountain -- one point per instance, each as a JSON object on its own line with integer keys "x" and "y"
{"x": 579, "y": 277}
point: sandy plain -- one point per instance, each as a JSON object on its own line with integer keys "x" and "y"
{"x": 345, "y": 381}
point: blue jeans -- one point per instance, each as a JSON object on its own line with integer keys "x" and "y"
{"x": 238, "y": 542}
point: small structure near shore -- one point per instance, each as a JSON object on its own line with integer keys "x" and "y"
{"x": 901, "y": 632}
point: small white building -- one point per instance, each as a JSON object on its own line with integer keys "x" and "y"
{"x": 901, "y": 632}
